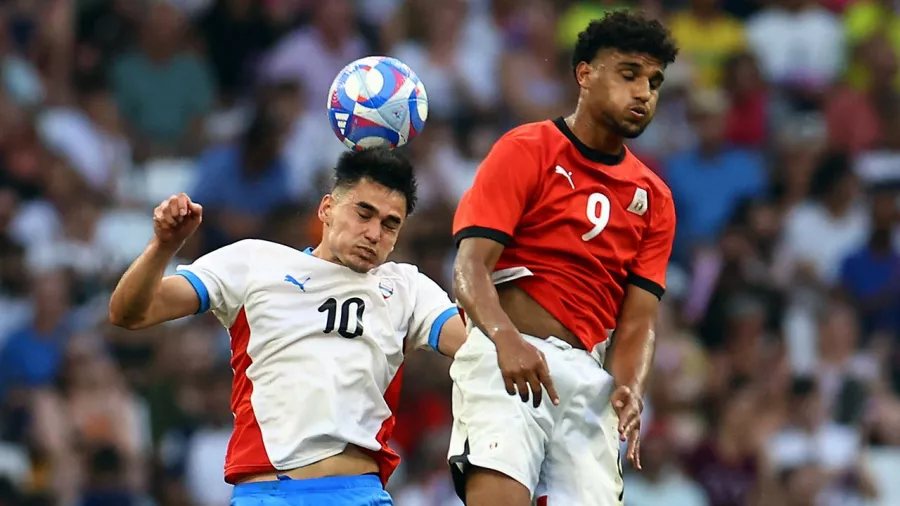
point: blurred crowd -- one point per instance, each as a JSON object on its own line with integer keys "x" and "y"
{"x": 777, "y": 377}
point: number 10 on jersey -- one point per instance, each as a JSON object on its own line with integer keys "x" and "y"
{"x": 351, "y": 305}
{"x": 597, "y": 214}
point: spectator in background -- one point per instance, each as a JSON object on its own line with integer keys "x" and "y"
{"x": 531, "y": 74}
{"x": 236, "y": 33}
{"x": 195, "y": 452}
{"x": 707, "y": 37}
{"x": 89, "y": 135}
{"x": 810, "y": 439}
{"x": 847, "y": 375}
{"x": 870, "y": 276}
{"x": 240, "y": 183}
{"x": 865, "y": 19}
{"x": 441, "y": 59}
{"x": 661, "y": 481}
{"x": 708, "y": 180}
{"x": 819, "y": 234}
{"x": 91, "y": 412}
{"x": 798, "y": 43}
{"x": 20, "y": 80}
{"x": 858, "y": 116}
{"x": 747, "y": 120}
{"x": 327, "y": 44}
{"x": 32, "y": 356}
{"x": 728, "y": 465}
{"x": 162, "y": 89}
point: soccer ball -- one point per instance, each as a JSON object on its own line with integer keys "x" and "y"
{"x": 377, "y": 101}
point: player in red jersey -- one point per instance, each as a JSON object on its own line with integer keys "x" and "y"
{"x": 564, "y": 239}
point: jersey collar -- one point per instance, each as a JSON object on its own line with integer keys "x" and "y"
{"x": 586, "y": 151}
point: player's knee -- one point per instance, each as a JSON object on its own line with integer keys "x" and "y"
{"x": 486, "y": 487}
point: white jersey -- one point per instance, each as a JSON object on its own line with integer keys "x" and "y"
{"x": 317, "y": 350}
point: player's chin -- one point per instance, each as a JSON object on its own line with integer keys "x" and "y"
{"x": 631, "y": 130}
{"x": 362, "y": 262}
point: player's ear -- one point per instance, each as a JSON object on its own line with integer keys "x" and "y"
{"x": 583, "y": 73}
{"x": 326, "y": 209}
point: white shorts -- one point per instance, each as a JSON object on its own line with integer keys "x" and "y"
{"x": 566, "y": 454}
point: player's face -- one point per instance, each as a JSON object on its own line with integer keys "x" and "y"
{"x": 621, "y": 90}
{"x": 362, "y": 224}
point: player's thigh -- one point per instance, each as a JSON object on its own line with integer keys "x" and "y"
{"x": 583, "y": 464}
{"x": 491, "y": 429}
{"x": 486, "y": 487}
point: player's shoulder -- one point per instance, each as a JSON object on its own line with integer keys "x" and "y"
{"x": 646, "y": 177}
{"x": 259, "y": 246}
{"x": 407, "y": 272}
{"x": 533, "y": 136}
{"x": 408, "y": 275}
{"x": 259, "y": 252}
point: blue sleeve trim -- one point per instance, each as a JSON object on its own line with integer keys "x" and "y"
{"x": 435, "y": 334}
{"x": 199, "y": 287}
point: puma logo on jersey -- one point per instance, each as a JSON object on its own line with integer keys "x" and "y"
{"x": 639, "y": 202}
{"x": 565, "y": 174}
{"x": 290, "y": 279}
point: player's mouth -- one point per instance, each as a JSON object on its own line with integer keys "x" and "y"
{"x": 638, "y": 112}
{"x": 367, "y": 252}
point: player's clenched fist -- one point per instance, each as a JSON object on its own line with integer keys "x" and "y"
{"x": 176, "y": 218}
{"x": 523, "y": 367}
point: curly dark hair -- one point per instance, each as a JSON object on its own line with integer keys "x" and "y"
{"x": 627, "y": 32}
{"x": 380, "y": 165}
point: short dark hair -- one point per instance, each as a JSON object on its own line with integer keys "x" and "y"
{"x": 626, "y": 32}
{"x": 380, "y": 165}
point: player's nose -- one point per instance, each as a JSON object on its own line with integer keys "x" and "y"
{"x": 641, "y": 91}
{"x": 372, "y": 233}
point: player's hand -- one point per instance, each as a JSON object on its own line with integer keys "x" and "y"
{"x": 175, "y": 219}
{"x": 628, "y": 406}
{"x": 523, "y": 368}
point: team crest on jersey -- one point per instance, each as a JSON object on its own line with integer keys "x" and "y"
{"x": 639, "y": 202}
{"x": 387, "y": 287}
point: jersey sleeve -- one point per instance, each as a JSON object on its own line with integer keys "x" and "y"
{"x": 500, "y": 193}
{"x": 648, "y": 269}
{"x": 220, "y": 279}
{"x": 431, "y": 310}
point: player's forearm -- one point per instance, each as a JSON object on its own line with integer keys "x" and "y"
{"x": 632, "y": 355}
{"x": 134, "y": 295}
{"x": 475, "y": 291}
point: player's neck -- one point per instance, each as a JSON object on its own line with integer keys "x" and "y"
{"x": 323, "y": 253}
{"x": 593, "y": 134}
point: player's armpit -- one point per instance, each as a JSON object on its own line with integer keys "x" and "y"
{"x": 648, "y": 269}
{"x": 504, "y": 185}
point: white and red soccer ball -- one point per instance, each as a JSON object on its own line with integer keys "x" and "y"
{"x": 377, "y": 101}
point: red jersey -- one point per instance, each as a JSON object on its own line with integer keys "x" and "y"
{"x": 577, "y": 224}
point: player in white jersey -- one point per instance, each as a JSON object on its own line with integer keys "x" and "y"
{"x": 318, "y": 337}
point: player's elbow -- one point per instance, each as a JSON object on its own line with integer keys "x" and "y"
{"x": 121, "y": 320}
{"x": 120, "y": 317}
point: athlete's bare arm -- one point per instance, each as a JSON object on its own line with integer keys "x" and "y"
{"x": 522, "y": 365}
{"x": 630, "y": 362}
{"x": 143, "y": 296}
{"x": 453, "y": 335}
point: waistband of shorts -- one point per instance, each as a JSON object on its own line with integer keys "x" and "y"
{"x": 598, "y": 354}
{"x": 309, "y": 485}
